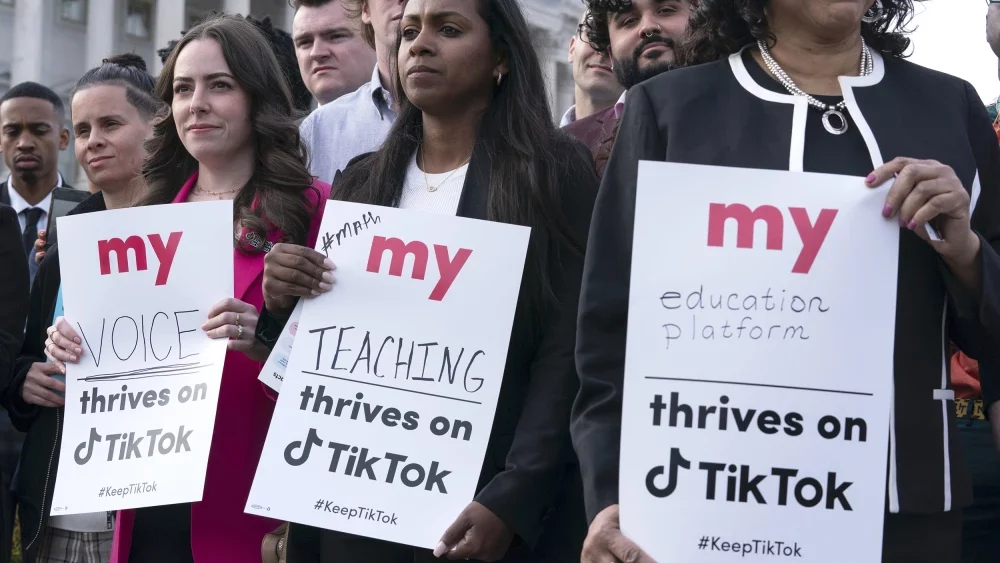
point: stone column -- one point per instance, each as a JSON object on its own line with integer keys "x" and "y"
{"x": 102, "y": 22}
{"x": 29, "y": 40}
{"x": 170, "y": 22}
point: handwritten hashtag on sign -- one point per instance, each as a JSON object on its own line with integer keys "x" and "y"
{"x": 703, "y": 542}
{"x": 319, "y": 504}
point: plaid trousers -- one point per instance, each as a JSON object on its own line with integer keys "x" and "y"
{"x": 64, "y": 546}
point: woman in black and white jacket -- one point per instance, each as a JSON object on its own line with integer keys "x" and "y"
{"x": 744, "y": 105}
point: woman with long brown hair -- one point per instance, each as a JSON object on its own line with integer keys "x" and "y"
{"x": 229, "y": 134}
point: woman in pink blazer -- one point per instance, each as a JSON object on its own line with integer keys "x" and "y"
{"x": 230, "y": 134}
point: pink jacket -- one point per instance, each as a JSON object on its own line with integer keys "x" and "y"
{"x": 220, "y": 531}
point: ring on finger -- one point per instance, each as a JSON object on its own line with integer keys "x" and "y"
{"x": 238, "y": 323}
{"x": 239, "y": 331}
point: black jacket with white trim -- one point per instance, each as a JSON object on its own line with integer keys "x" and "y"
{"x": 716, "y": 114}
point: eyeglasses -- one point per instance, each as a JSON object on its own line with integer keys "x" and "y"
{"x": 581, "y": 30}
{"x": 991, "y": 2}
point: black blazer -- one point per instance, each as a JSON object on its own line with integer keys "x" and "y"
{"x": 529, "y": 476}
{"x": 714, "y": 114}
{"x": 13, "y": 290}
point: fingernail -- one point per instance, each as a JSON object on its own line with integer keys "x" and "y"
{"x": 314, "y": 292}
{"x": 79, "y": 350}
{"x": 329, "y": 263}
{"x": 887, "y": 211}
{"x": 911, "y": 225}
{"x": 871, "y": 178}
{"x": 441, "y": 549}
{"x": 325, "y": 286}
{"x": 72, "y": 358}
{"x": 327, "y": 277}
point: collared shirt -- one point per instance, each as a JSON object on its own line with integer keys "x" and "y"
{"x": 349, "y": 126}
{"x": 620, "y": 106}
{"x": 20, "y": 204}
{"x": 569, "y": 116}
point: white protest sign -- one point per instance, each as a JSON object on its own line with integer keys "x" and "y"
{"x": 273, "y": 372}
{"x": 140, "y": 405}
{"x": 759, "y": 366}
{"x": 387, "y": 404}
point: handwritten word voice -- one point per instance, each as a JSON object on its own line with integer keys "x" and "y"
{"x": 724, "y": 315}
{"x": 360, "y": 463}
{"x": 160, "y": 335}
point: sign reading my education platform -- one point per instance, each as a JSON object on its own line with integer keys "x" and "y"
{"x": 140, "y": 405}
{"x": 759, "y": 366}
{"x": 387, "y": 402}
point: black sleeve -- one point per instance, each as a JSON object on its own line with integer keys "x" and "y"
{"x": 974, "y": 320}
{"x": 40, "y": 308}
{"x": 13, "y": 292}
{"x": 523, "y": 492}
{"x": 600, "y": 346}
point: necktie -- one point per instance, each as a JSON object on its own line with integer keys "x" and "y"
{"x": 30, "y": 234}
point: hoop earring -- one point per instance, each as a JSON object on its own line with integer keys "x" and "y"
{"x": 874, "y": 13}
{"x": 499, "y": 79}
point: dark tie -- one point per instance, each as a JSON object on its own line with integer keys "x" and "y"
{"x": 31, "y": 217}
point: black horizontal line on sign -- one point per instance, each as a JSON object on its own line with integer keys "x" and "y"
{"x": 746, "y": 384}
{"x": 391, "y": 387}
{"x": 168, "y": 370}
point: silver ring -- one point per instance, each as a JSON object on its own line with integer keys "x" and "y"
{"x": 238, "y": 320}
{"x": 239, "y": 334}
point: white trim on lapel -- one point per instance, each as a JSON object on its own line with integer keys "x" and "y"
{"x": 847, "y": 85}
{"x": 799, "y": 113}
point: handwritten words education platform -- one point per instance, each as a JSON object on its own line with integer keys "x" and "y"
{"x": 140, "y": 405}
{"x": 387, "y": 402}
{"x": 758, "y": 373}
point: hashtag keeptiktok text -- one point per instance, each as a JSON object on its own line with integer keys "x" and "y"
{"x": 133, "y": 489}
{"x": 361, "y": 512}
{"x": 751, "y": 547}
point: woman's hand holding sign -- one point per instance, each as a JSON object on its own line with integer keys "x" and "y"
{"x": 62, "y": 345}
{"x": 40, "y": 387}
{"x": 292, "y": 271}
{"x": 926, "y": 191}
{"x": 236, "y": 320}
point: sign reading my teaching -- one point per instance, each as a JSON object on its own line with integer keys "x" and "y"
{"x": 140, "y": 405}
{"x": 758, "y": 373}
{"x": 387, "y": 402}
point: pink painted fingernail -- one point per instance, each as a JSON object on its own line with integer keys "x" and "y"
{"x": 871, "y": 178}
{"x": 902, "y": 222}
{"x": 911, "y": 225}
{"x": 887, "y": 211}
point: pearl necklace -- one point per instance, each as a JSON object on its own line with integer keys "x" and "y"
{"x": 834, "y": 111}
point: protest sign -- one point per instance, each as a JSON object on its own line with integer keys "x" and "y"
{"x": 759, "y": 363}
{"x": 387, "y": 403}
{"x": 140, "y": 405}
{"x": 273, "y": 372}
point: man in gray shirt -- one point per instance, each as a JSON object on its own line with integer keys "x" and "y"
{"x": 357, "y": 122}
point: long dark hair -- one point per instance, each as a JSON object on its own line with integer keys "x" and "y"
{"x": 516, "y": 135}
{"x": 280, "y": 174}
{"x": 127, "y": 70}
{"x": 719, "y": 28}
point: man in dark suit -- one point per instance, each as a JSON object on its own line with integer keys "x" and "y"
{"x": 32, "y": 133}
{"x": 13, "y": 310}
{"x": 639, "y": 38}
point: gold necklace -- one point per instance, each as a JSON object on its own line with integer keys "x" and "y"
{"x": 423, "y": 165}
{"x": 198, "y": 188}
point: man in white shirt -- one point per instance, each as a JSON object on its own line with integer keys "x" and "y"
{"x": 32, "y": 132}
{"x": 358, "y": 122}
{"x": 596, "y": 85}
{"x": 333, "y": 57}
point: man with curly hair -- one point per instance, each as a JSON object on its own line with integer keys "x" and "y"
{"x": 639, "y": 37}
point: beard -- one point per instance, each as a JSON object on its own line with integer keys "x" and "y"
{"x": 27, "y": 177}
{"x": 629, "y": 73}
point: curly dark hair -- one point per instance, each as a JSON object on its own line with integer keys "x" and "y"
{"x": 274, "y": 195}
{"x": 596, "y": 21}
{"x": 719, "y": 28}
{"x": 284, "y": 50}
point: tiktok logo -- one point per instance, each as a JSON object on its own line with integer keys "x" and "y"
{"x": 676, "y": 460}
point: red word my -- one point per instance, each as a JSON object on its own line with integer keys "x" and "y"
{"x": 398, "y": 251}
{"x": 811, "y": 234}
{"x": 164, "y": 253}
